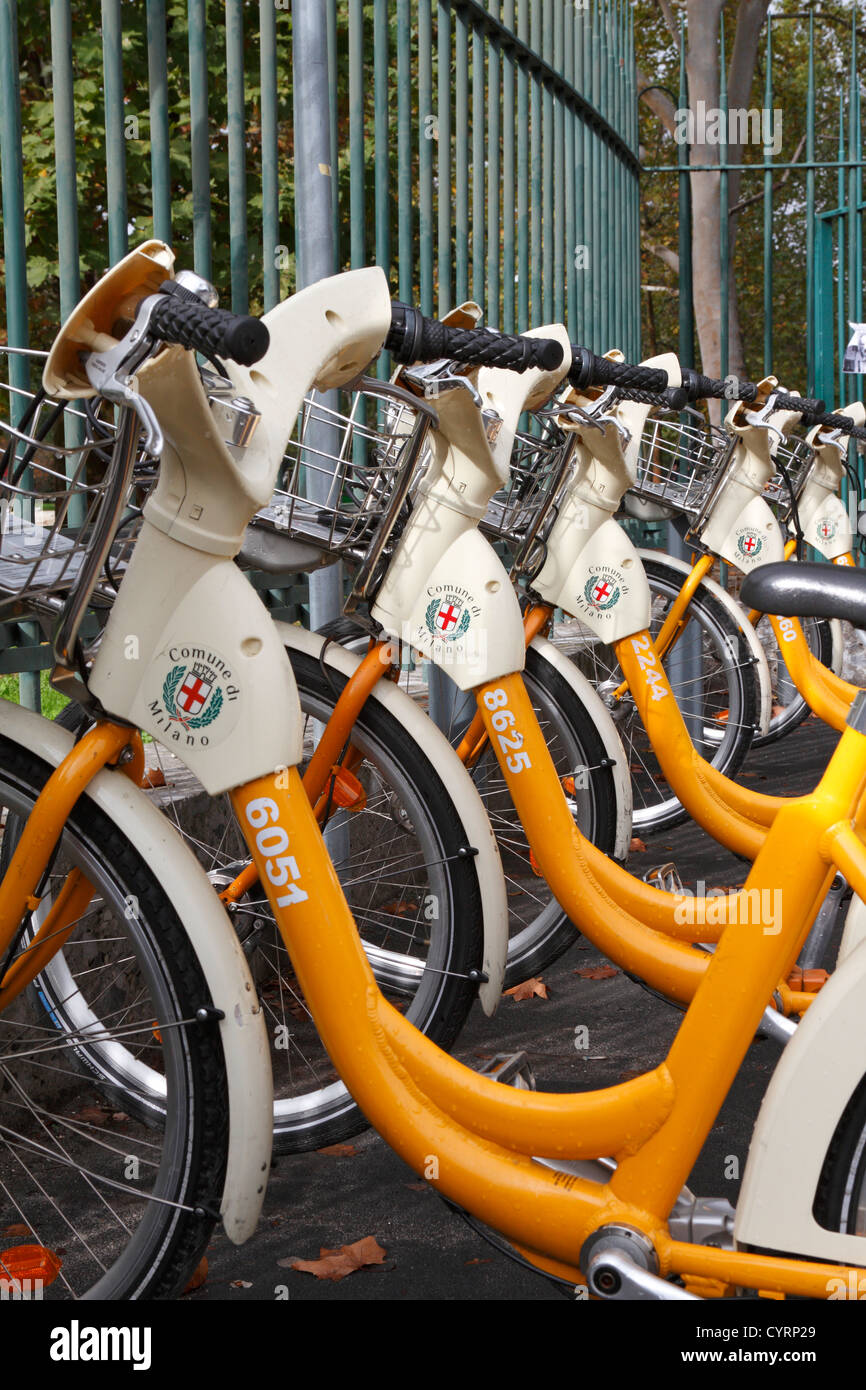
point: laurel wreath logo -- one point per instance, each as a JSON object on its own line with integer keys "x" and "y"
{"x": 197, "y": 721}
{"x": 741, "y": 545}
{"x": 430, "y": 619}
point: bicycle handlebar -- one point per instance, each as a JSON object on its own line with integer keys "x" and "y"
{"x": 589, "y": 370}
{"x": 414, "y": 338}
{"x": 181, "y": 317}
{"x": 674, "y": 398}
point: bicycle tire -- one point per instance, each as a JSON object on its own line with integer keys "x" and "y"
{"x": 725, "y": 718}
{"x": 126, "y": 1203}
{"x": 440, "y": 987}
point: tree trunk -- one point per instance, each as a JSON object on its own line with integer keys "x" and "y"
{"x": 702, "y": 67}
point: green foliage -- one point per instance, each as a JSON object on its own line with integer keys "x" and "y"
{"x": 52, "y": 701}
{"x": 658, "y": 57}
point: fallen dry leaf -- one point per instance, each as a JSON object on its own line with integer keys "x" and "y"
{"x": 336, "y": 1264}
{"x": 636, "y": 845}
{"x": 338, "y": 1150}
{"x": 17, "y": 1229}
{"x": 629, "y": 1075}
{"x": 92, "y": 1115}
{"x": 417, "y": 1186}
{"x": 596, "y": 972}
{"x": 199, "y": 1276}
{"x": 476, "y": 1261}
{"x": 528, "y": 989}
{"x": 241, "y": 1284}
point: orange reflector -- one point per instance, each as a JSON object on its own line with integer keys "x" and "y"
{"x": 154, "y": 778}
{"x": 567, "y": 785}
{"x": 723, "y": 716}
{"x": 347, "y": 792}
{"x": 807, "y": 981}
{"x": 30, "y": 1263}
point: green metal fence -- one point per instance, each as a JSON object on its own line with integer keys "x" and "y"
{"x": 478, "y": 150}
{"x": 832, "y": 237}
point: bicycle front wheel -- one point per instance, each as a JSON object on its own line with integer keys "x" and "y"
{"x": 97, "y": 1201}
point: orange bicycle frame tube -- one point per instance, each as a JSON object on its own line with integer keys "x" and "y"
{"x": 474, "y": 1139}
{"x": 335, "y": 736}
{"x": 39, "y": 838}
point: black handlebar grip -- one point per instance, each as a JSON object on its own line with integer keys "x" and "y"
{"x": 674, "y": 398}
{"x": 589, "y": 370}
{"x": 843, "y": 423}
{"x": 214, "y": 332}
{"x": 802, "y": 404}
{"x": 705, "y": 388}
{"x": 414, "y": 338}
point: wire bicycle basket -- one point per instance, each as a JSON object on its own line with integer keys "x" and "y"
{"x": 347, "y": 474}
{"x": 794, "y": 459}
{"x": 522, "y": 512}
{"x": 680, "y": 462}
{"x": 65, "y": 473}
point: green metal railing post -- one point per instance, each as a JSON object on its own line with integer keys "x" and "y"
{"x": 724, "y": 255}
{"x": 115, "y": 131}
{"x": 443, "y": 116}
{"x": 768, "y": 213}
{"x": 17, "y": 331}
{"x": 686, "y": 344}
{"x": 236, "y": 121}
{"x": 157, "y": 81}
{"x": 199, "y": 138}
{"x": 270, "y": 154}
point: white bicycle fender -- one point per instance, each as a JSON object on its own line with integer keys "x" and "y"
{"x": 854, "y": 931}
{"x": 244, "y": 1037}
{"x": 814, "y": 1079}
{"x": 740, "y": 617}
{"x": 460, "y": 788}
{"x": 592, "y": 702}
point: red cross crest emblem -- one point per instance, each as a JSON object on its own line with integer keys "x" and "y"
{"x": 448, "y": 615}
{"x": 601, "y": 591}
{"x": 193, "y": 694}
{"x": 749, "y": 544}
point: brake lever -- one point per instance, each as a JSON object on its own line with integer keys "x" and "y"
{"x": 758, "y": 419}
{"x": 598, "y": 416}
{"x": 112, "y": 373}
{"x": 437, "y": 379}
{"x": 834, "y": 437}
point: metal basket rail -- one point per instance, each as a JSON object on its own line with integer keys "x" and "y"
{"x": 63, "y": 486}
{"x": 680, "y": 462}
{"x": 794, "y": 459}
{"x": 347, "y": 473}
{"x": 522, "y": 512}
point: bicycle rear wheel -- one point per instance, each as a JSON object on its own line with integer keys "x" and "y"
{"x": 97, "y": 1201}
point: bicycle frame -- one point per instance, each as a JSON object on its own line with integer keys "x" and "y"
{"x": 429, "y": 1107}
